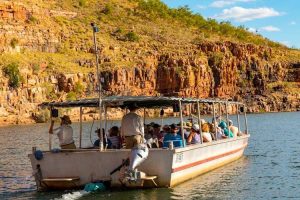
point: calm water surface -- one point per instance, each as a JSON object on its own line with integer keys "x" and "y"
{"x": 270, "y": 168}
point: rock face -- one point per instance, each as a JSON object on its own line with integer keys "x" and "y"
{"x": 228, "y": 70}
{"x": 10, "y": 11}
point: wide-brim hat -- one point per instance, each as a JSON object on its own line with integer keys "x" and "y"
{"x": 196, "y": 127}
{"x": 189, "y": 124}
{"x": 132, "y": 106}
{"x": 66, "y": 119}
{"x": 156, "y": 126}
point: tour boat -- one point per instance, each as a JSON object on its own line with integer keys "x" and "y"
{"x": 163, "y": 167}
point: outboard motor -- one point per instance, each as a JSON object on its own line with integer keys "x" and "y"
{"x": 137, "y": 156}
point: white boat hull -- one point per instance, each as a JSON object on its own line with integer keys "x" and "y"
{"x": 72, "y": 169}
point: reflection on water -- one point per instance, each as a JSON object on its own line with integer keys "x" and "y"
{"x": 269, "y": 169}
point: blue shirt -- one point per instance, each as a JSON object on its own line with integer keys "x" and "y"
{"x": 228, "y": 133}
{"x": 97, "y": 143}
{"x": 172, "y": 137}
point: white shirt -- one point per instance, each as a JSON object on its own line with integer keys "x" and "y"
{"x": 64, "y": 134}
{"x": 132, "y": 124}
{"x": 207, "y": 136}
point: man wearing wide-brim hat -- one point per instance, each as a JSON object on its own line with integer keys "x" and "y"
{"x": 64, "y": 133}
{"x": 132, "y": 128}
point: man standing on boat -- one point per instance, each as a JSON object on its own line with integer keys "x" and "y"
{"x": 64, "y": 133}
{"x": 132, "y": 128}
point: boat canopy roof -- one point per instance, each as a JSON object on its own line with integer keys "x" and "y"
{"x": 139, "y": 101}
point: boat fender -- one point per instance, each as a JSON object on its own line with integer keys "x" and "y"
{"x": 38, "y": 154}
{"x": 92, "y": 187}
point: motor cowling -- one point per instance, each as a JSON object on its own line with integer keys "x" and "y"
{"x": 137, "y": 156}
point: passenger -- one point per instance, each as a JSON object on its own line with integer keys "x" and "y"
{"x": 132, "y": 128}
{"x": 97, "y": 142}
{"x": 205, "y": 127}
{"x": 206, "y": 135}
{"x": 114, "y": 138}
{"x": 149, "y": 137}
{"x": 186, "y": 130}
{"x": 158, "y": 135}
{"x": 148, "y": 132}
{"x": 235, "y": 130}
{"x": 215, "y": 129}
{"x": 166, "y": 130}
{"x": 194, "y": 136}
{"x": 64, "y": 133}
{"x": 173, "y": 136}
{"x": 225, "y": 129}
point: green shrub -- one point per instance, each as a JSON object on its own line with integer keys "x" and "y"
{"x": 36, "y": 68}
{"x": 49, "y": 90}
{"x": 215, "y": 58}
{"x": 155, "y": 8}
{"x": 132, "y": 37}
{"x": 14, "y": 42}
{"x": 32, "y": 19}
{"x": 13, "y": 73}
{"x": 119, "y": 31}
{"x": 108, "y": 9}
{"x": 78, "y": 88}
{"x": 71, "y": 96}
{"x": 82, "y": 3}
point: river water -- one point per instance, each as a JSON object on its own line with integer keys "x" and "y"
{"x": 270, "y": 168}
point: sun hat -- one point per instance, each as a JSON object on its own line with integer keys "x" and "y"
{"x": 196, "y": 127}
{"x": 66, "y": 119}
{"x": 189, "y": 124}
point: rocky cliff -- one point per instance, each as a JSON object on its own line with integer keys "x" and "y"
{"x": 51, "y": 45}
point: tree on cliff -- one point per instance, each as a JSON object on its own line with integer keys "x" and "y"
{"x": 12, "y": 72}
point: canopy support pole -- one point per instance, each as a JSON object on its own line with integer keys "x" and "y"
{"x": 246, "y": 122}
{"x": 80, "y": 127}
{"x": 50, "y": 135}
{"x": 220, "y": 112}
{"x": 105, "y": 126}
{"x": 238, "y": 116}
{"x": 144, "y": 117}
{"x": 215, "y": 122}
{"x": 227, "y": 117}
{"x": 95, "y": 30}
{"x": 181, "y": 122}
{"x": 199, "y": 121}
